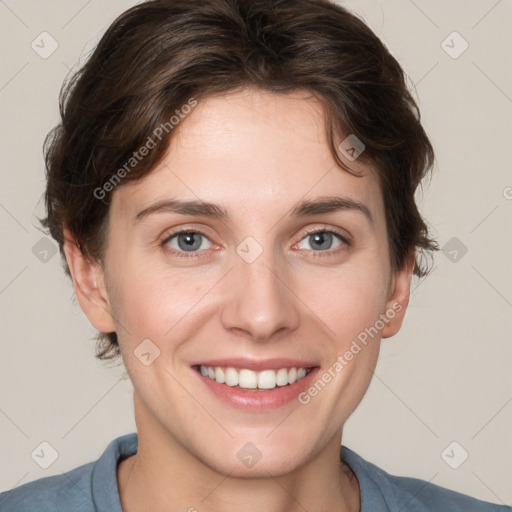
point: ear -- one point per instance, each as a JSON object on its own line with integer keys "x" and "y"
{"x": 399, "y": 297}
{"x": 90, "y": 288}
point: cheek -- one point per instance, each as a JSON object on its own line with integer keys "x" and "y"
{"x": 347, "y": 300}
{"x": 153, "y": 302}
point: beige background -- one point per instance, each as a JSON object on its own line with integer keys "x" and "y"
{"x": 445, "y": 377}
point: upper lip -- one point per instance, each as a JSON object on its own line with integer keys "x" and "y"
{"x": 257, "y": 365}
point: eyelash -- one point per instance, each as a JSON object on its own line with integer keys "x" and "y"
{"x": 198, "y": 254}
{"x": 331, "y": 252}
{"x": 182, "y": 254}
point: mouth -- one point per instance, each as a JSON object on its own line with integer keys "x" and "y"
{"x": 256, "y": 386}
{"x": 247, "y": 379}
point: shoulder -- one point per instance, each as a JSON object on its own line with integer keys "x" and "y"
{"x": 420, "y": 495}
{"x": 68, "y": 491}
{"x": 87, "y": 488}
{"x": 383, "y": 491}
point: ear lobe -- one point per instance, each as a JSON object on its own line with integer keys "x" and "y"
{"x": 89, "y": 283}
{"x": 399, "y": 297}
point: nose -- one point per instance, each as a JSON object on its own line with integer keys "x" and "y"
{"x": 258, "y": 300}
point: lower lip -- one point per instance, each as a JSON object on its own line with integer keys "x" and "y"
{"x": 258, "y": 400}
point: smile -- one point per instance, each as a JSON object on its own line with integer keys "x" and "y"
{"x": 249, "y": 379}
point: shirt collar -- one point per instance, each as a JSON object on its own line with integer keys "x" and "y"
{"x": 105, "y": 491}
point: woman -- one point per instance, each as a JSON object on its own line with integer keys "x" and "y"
{"x": 232, "y": 189}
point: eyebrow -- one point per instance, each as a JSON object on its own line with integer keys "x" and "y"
{"x": 304, "y": 208}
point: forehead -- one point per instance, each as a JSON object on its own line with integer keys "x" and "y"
{"x": 249, "y": 150}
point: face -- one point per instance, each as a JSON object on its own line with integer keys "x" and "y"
{"x": 247, "y": 248}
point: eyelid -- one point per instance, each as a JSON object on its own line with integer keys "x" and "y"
{"x": 169, "y": 234}
{"x": 345, "y": 244}
{"x": 346, "y": 240}
{"x": 183, "y": 228}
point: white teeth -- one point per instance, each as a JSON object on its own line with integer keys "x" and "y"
{"x": 267, "y": 379}
{"x": 282, "y": 377}
{"x": 231, "y": 376}
{"x": 292, "y": 375}
{"x": 249, "y": 379}
{"x": 219, "y": 375}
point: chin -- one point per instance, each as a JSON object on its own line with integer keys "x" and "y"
{"x": 256, "y": 459}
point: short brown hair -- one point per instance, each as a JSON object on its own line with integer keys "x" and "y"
{"x": 159, "y": 54}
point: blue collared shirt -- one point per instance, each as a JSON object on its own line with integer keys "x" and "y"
{"x": 93, "y": 488}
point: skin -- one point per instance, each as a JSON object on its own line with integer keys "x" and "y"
{"x": 242, "y": 151}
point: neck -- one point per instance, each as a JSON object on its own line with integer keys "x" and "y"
{"x": 164, "y": 473}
